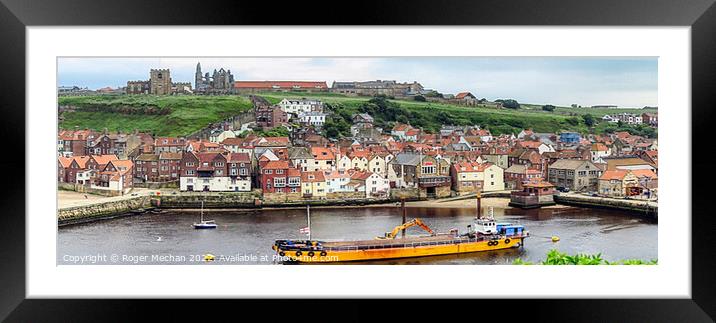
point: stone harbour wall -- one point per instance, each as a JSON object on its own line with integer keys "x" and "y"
{"x": 78, "y": 214}
{"x": 645, "y": 208}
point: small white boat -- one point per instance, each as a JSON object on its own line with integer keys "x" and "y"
{"x": 204, "y": 224}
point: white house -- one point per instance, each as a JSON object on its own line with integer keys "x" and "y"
{"x": 338, "y": 181}
{"x": 373, "y": 184}
{"x": 316, "y": 119}
{"x": 344, "y": 163}
{"x": 214, "y": 184}
{"x": 221, "y": 136}
{"x": 300, "y": 106}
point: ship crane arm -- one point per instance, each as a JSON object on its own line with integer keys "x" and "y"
{"x": 414, "y": 222}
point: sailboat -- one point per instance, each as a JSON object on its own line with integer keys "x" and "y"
{"x": 208, "y": 224}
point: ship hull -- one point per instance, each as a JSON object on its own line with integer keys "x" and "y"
{"x": 410, "y": 250}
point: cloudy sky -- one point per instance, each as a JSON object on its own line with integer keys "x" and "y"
{"x": 626, "y": 82}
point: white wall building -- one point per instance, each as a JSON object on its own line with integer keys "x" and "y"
{"x": 300, "y": 106}
{"x": 316, "y": 119}
{"x": 214, "y": 184}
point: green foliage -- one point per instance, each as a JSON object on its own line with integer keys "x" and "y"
{"x": 275, "y": 132}
{"x": 336, "y": 127}
{"x": 509, "y": 103}
{"x": 420, "y": 98}
{"x": 434, "y": 94}
{"x": 548, "y": 107}
{"x": 574, "y": 121}
{"x": 519, "y": 261}
{"x": 168, "y": 115}
{"x": 638, "y": 130}
{"x": 555, "y": 257}
{"x": 588, "y": 120}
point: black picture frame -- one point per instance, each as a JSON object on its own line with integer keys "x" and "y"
{"x": 700, "y": 15}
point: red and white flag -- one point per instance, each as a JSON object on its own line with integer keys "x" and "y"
{"x": 305, "y": 230}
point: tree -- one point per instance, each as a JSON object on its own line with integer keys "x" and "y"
{"x": 420, "y": 98}
{"x": 573, "y": 121}
{"x": 548, "y": 107}
{"x": 509, "y": 103}
{"x": 588, "y": 120}
{"x": 336, "y": 127}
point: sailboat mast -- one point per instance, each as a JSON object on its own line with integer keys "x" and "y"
{"x": 308, "y": 215}
{"x": 202, "y": 211}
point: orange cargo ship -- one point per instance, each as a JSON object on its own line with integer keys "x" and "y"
{"x": 483, "y": 235}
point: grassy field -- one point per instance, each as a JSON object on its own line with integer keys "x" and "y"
{"x": 182, "y": 115}
{"x": 186, "y": 114}
{"x": 435, "y": 114}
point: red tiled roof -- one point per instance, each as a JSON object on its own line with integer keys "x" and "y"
{"x": 361, "y": 175}
{"x": 599, "y": 147}
{"x": 462, "y": 95}
{"x": 124, "y": 163}
{"x": 530, "y": 144}
{"x": 104, "y": 159}
{"x": 65, "y": 161}
{"x": 320, "y": 153}
{"x": 239, "y": 158}
{"x": 644, "y": 172}
{"x": 279, "y": 84}
{"x": 81, "y": 161}
{"x": 613, "y": 174}
{"x": 316, "y": 177}
{"x": 276, "y": 164}
{"x": 294, "y": 172}
{"x": 470, "y": 167}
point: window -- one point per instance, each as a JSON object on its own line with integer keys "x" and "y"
{"x": 428, "y": 169}
{"x": 219, "y": 164}
{"x": 268, "y": 171}
{"x": 279, "y": 171}
{"x": 190, "y": 172}
{"x": 279, "y": 181}
{"x": 219, "y": 172}
{"x": 243, "y": 171}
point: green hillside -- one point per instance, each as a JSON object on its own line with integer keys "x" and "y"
{"x": 183, "y": 115}
{"x": 162, "y": 115}
{"x": 432, "y": 116}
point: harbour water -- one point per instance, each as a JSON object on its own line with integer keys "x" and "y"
{"x": 244, "y": 237}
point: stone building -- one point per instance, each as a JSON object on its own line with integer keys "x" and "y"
{"x": 372, "y": 88}
{"x": 268, "y": 117}
{"x": 577, "y": 175}
{"x": 219, "y": 82}
{"x": 160, "y": 82}
{"x": 243, "y": 87}
{"x": 137, "y": 87}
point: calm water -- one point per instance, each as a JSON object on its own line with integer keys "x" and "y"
{"x": 245, "y": 237}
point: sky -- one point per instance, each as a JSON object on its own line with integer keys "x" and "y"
{"x": 586, "y": 81}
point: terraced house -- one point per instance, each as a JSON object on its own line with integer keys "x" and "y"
{"x": 210, "y": 172}
{"x": 470, "y": 177}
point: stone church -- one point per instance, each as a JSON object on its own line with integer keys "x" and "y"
{"x": 220, "y": 82}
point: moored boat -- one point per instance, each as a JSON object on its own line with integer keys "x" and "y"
{"x": 484, "y": 234}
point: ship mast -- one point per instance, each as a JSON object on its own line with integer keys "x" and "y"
{"x": 477, "y": 198}
{"x": 308, "y": 215}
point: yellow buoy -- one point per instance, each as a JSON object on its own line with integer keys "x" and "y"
{"x": 555, "y": 238}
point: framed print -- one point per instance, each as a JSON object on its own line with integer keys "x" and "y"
{"x": 408, "y": 154}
